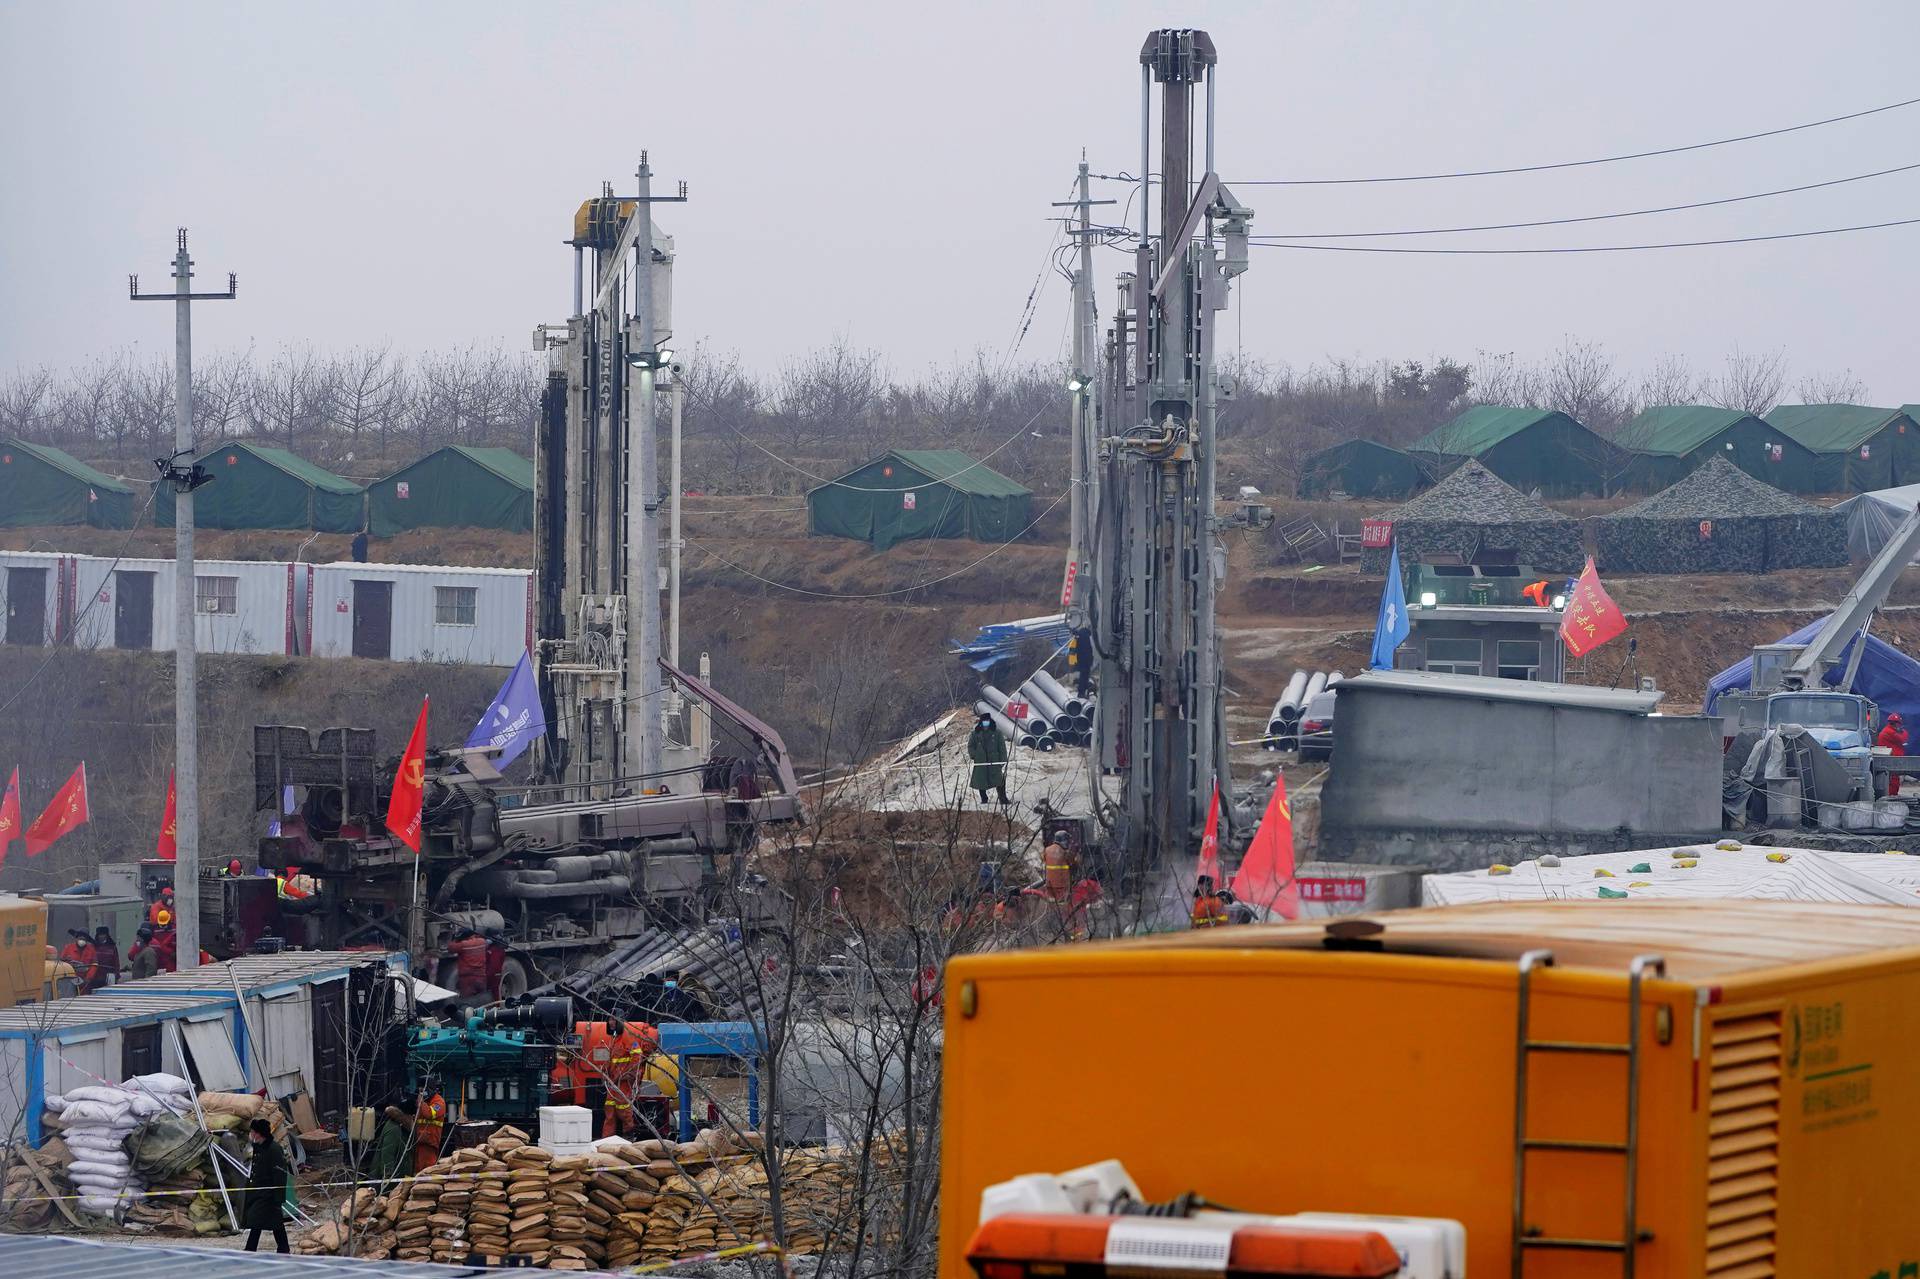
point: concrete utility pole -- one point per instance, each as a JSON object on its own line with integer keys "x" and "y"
{"x": 1084, "y": 416}
{"x": 180, "y": 472}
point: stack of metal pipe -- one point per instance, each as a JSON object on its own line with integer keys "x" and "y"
{"x": 1283, "y": 721}
{"x": 1044, "y": 713}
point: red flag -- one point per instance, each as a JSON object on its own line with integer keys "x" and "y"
{"x": 1210, "y": 841}
{"x": 1591, "y": 618}
{"x": 166, "y": 846}
{"x": 1265, "y": 877}
{"x": 67, "y": 810}
{"x": 10, "y": 814}
{"x": 410, "y": 786}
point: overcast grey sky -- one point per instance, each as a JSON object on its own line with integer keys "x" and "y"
{"x": 405, "y": 173}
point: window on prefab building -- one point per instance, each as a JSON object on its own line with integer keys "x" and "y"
{"x": 1453, "y": 656}
{"x": 216, "y": 594}
{"x": 454, "y": 605}
{"x": 1519, "y": 659}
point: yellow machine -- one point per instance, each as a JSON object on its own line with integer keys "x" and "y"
{"x": 23, "y": 949}
{"x": 1727, "y": 1088}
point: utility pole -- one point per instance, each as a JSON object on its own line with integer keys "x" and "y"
{"x": 180, "y": 472}
{"x": 1084, "y": 416}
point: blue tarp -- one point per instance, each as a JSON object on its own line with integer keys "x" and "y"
{"x": 1887, "y": 675}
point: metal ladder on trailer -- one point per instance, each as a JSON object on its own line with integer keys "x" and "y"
{"x": 1526, "y": 1237}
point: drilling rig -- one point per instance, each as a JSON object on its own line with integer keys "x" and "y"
{"x": 1152, "y": 547}
{"x": 622, "y": 829}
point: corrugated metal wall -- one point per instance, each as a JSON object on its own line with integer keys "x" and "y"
{"x": 261, "y": 619}
{"x": 418, "y": 628}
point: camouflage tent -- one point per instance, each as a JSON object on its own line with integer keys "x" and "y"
{"x": 1719, "y": 519}
{"x": 1474, "y": 517}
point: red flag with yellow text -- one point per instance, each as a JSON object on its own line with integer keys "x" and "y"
{"x": 10, "y": 814}
{"x": 410, "y": 786}
{"x": 1266, "y": 874}
{"x": 166, "y": 847}
{"x": 1210, "y": 842}
{"x": 67, "y": 811}
{"x": 1591, "y": 617}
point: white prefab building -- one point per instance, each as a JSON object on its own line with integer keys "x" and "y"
{"x": 421, "y": 613}
{"x": 240, "y": 606}
{"x": 36, "y": 594}
{"x": 52, "y": 1047}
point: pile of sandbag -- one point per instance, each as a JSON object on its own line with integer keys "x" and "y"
{"x": 94, "y": 1123}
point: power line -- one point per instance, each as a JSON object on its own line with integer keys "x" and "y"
{"x": 874, "y": 595}
{"x": 1592, "y": 217}
{"x": 1595, "y": 248}
{"x": 1569, "y": 164}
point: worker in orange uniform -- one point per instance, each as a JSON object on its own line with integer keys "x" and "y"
{"x": 1209, "y": 909}
{"x": 1893, "y": 735}
{"x": 429, "y": 1126}
{"x": 1537, "y": 592}
{"x": 160, "y": 910}
{"x": 1056, "y": 862}
{"x": 625, "y": 1069}
{"x": 469, "y": 951}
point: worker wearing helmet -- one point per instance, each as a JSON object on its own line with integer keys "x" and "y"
{"x": 1209, "y": 905}
{"x": 1056, "y": 862}
{"x": 429, "y": 1124}
{"x": 161, "y": 906}
{"x": 1893, "y": 736}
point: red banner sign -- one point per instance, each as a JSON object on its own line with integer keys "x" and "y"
{"x": 1351, "y": 891}
{"x": 1591, "y": 617}
{"x": 1376, "y": 532}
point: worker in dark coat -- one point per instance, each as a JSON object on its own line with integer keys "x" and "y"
{"x": 1893, "y": 735}
{"x": 143, "y": 960}
{"x": 391, "y": 1146}
{"x": 106, "y": 957}
{"x": 266, "y": 1189}
{"x": 988, "y": 751}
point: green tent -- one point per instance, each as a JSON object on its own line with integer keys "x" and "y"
{"x": 41, "y": 485}
{"x": 1670, "y": 441}
{"x": 919, "y": 493}
{"x": 1360, "y": 468}
{"x": 257, "y": 486}
{"x": 454, "y": 487}
{"x": 1528, "y": 448}
{"x": 1858, "y": 448}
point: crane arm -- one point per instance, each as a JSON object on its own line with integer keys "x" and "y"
{"x": 1869, "y": 591}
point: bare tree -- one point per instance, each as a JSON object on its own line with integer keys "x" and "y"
{"x": 364, "y": 394}
{"x": 1748, "y": 382}
{"x": 84, "y": 408}
{"x": 290, "y": 398}
{"x": 1671, "y": 380}
{"x": 27, "y": 403}
{"x": 143, "y": 410}
{"x": 1582, "y": 381}
{"x": 1832, "y": 388}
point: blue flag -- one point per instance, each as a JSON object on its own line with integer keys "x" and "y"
{"x": 1392, "y": 627}
{"x": 515, "y": 718}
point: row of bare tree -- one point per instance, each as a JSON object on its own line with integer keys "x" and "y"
{"x": 815, "y": 416}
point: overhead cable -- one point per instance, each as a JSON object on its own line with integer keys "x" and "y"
{"x": 1592, "y": 248}
{"x": 1592, "y": 217}
{"x": 1568, "y": 164}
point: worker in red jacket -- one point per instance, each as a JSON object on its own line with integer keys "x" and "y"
{"x": 469, "y": 950}
{"x": 1893, "y": 735}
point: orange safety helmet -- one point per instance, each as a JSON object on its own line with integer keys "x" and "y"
{"x": 165, "y": 917}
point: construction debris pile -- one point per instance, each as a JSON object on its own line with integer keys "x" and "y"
{"x": 1719, "y": 519}
{"x": 134, "y": 1152}
{"x": 621, "y": 1204}
{"x": 1474, "y": 511}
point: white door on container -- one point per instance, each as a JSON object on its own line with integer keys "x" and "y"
{"x": 285, "y": 1023}
{"x": 78, "y": 1062}
{"x": 213, "y": 1054}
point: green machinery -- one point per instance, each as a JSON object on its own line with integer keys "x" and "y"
{"x": 496, "y": 1066}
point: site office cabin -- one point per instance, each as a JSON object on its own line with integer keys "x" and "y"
{"x": 1779, "y": 1072}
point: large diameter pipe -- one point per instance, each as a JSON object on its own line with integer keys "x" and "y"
{"x": 1006, "y": 726}
{"x": 1048, "y": 708}
{"x": 1031, "y": 722}
{"x": 1316, "y": 685}
{"x": 1052, "y": 688}
{"x": 1290, "y": 699}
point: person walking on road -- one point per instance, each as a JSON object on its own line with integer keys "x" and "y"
{"x": 988, "y": 751}
{"x": 266, "y": 1189}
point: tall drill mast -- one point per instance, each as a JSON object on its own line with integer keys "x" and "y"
{"x": 1156, "y": 559}
{"x": 597, "y": 567}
